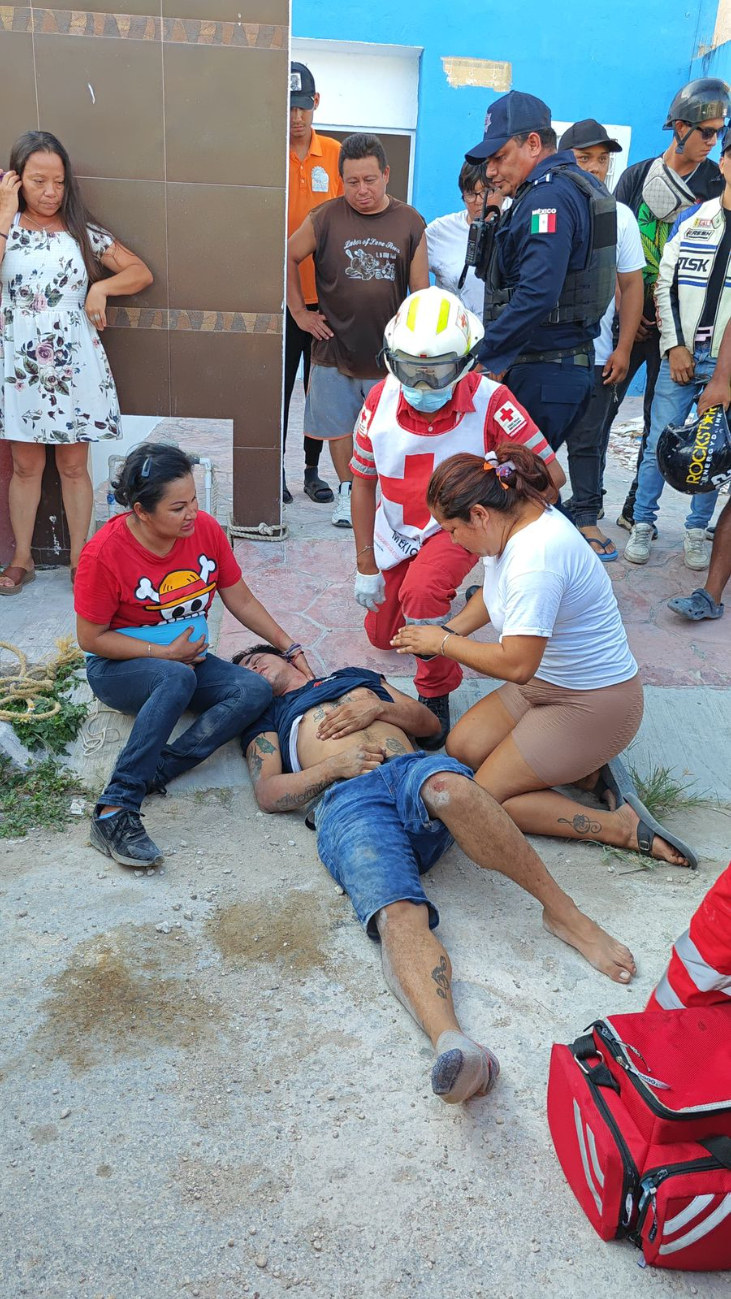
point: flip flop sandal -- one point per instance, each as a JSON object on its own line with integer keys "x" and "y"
{"x": 696, "y": 606}
{"x": 318, "y": 491}
{"x": 607, "y": 783}
{"x": 26, "y": 575}
{"x": 648, "y": 827}
{"x": 607, "y": 556}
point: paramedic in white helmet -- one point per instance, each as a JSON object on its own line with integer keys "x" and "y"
{"x": 432, "y": 405}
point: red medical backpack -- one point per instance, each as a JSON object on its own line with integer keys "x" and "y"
{"x": 639, "y": 1109}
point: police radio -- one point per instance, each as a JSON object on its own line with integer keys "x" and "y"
{"x": 480, "y": 239}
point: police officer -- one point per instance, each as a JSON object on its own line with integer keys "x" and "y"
{"x": 551, "y": 272}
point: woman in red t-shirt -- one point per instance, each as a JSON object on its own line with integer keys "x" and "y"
{"x": 143, "y": 587}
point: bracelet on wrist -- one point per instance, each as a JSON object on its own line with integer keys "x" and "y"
{"x": 446, "y": 638}
{"x": 293, "y": 651}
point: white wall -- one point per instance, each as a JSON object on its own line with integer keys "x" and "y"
{"x": 343, "y": 68}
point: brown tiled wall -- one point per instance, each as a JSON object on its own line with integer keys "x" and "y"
{"x": 174, "y": 114}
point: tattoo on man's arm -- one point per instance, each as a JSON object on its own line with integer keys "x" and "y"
{"x": 289, "y": 802}
{"x": 582, "y": 824}
{"x": 441, "y": 978}
{"x": 260, "y": 746}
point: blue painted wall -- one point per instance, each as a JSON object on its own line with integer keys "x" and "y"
{"x": 622, "y": 65}
{"x": 715, "y": 64}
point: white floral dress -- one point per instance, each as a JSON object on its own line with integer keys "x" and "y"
{"x": 55, "y": 382}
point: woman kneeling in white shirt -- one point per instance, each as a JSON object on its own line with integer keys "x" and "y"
{"x": 573, "y": 698}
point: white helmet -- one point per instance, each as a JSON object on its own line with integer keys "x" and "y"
{"x": 432, "y": 340}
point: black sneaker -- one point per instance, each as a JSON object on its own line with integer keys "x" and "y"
{"x": 439, "y": 706}
{"x": 122, "y": 837}
{"x": 157, "y": 785}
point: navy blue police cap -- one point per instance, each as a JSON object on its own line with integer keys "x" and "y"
{"x": 512, "y": 114}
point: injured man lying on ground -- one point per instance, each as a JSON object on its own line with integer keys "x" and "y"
{"x": 385, "y": 813}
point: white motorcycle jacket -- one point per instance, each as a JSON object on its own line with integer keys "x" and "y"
{"x": 684, "y": 276}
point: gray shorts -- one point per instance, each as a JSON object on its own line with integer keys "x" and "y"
{"x": 333, "y": 402}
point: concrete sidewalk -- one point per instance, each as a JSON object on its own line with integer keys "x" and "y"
{"x": 207, "y": 1091}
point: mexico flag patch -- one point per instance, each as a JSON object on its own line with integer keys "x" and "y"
{"x": 543, "y": 221}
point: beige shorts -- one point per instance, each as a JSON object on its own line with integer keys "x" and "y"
{"x": 564, "y": 735}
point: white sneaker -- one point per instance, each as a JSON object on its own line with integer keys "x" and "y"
{"x": 637, "y": 550}
{"x": 341, "y": 513}
{"x": 695, "y": 550}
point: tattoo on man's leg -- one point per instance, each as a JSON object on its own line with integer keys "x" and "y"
{"x": 582, "y": 824}
{"x": 441, "y": 978}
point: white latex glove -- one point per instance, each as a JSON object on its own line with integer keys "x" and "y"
{"x": 370, "y": 590}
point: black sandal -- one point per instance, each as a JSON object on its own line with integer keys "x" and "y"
{"x": 615, "y": 777}
{"x": 317, "y": 489}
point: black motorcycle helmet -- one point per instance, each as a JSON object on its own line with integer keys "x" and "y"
{"x": 698, "y": 102}
{"x": 696, "y": 457}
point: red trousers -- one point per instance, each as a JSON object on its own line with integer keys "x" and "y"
{"x": 422, "y": 590}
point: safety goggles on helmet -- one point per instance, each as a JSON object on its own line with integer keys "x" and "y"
{"x": 429, "y": 371}
{"x": 432, "y": 340}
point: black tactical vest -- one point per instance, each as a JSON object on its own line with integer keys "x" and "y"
{"x": 586, "y": 293}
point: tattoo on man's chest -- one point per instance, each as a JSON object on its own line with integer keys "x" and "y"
{"x": 320, "y": 711}
{"x": 395, "y": 746}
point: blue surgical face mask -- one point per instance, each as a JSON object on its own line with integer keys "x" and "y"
{"x": 427, "y": 399}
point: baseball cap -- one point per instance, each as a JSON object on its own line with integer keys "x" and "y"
{"x": 301, "y": 86}
{"x": 726, "y": 140}
{"x": 582, "y": 135}
{"x": 510, "y": 115}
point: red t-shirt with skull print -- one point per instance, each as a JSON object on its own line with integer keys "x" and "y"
{"x": 120, "y": 584}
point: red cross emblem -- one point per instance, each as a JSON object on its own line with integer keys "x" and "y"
{"x": 507, "y": 413}
{"x": 410, "y": 491}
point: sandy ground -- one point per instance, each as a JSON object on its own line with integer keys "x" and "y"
{"x": 206, "y": 1090}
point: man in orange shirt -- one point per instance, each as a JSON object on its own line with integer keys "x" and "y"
{"x": 313, "y": 179}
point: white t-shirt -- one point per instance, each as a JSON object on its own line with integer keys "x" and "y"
{"x": 446, "y": 241}
{"x": 549, "y": 582}
{"x": 630, "y": 257}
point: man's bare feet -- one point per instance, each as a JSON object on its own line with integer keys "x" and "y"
{"x": 595, "y": 944}
{"x": 462, "y": 1068}
{"x": 661, "y": 849}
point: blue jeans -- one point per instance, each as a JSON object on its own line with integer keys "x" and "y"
{"x": 672, "y": 404}
{"x": 377, "y": 839}
{"x": 228, "y": 698}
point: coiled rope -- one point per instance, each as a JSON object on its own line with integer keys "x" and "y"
{"x": 34, "y": 683}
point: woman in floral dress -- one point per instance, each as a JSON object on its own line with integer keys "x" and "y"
{"x": 56, "y": 388}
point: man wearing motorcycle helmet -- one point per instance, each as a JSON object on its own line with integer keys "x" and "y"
{"x": 432, "y": 405}
{"x": 657, "y": 190}
{"x": 693, "y": 305}
{"x": 705, "y": 601}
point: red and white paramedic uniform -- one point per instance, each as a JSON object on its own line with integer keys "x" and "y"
{"x": 699, "y": 973}
{"x": 402, "y": 447}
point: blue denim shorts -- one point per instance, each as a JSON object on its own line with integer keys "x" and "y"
{"x": 377, "y": 839}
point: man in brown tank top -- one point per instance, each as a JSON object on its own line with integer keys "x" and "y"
{"x": 369, "y": 250}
